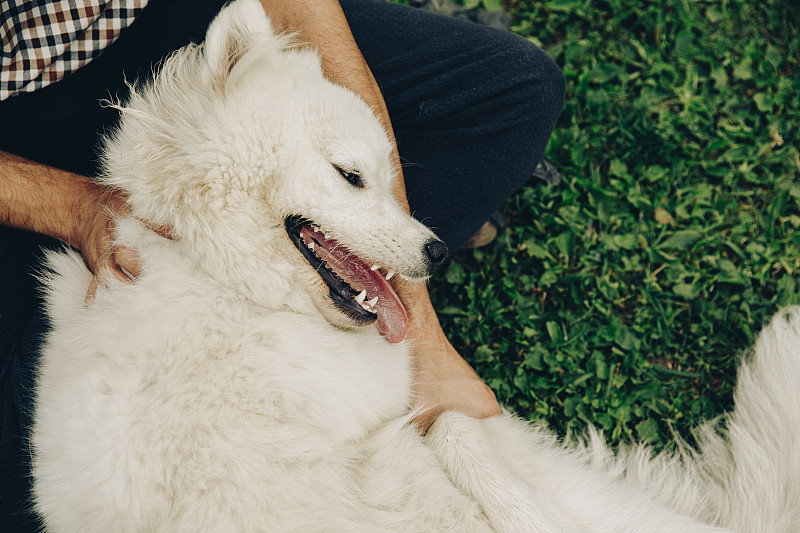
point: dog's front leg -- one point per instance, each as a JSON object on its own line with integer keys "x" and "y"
{"x": 526, "y": 481}
{"x": 475, "y": 467}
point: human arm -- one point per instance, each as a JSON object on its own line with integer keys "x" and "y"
{"x": 79, "y": 212}
{"x": 68, "y": 207}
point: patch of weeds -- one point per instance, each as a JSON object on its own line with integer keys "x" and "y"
{"x": 624, "y": 297}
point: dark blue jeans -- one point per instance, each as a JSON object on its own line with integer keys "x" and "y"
{"x": 472, "y": 109}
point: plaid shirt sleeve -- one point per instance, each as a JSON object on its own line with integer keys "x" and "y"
{"x": 43, "y": 41}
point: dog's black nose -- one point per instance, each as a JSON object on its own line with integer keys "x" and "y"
{"x": 437, "y": 254}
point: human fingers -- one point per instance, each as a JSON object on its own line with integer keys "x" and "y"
{"x": 126, "y": 261}
{"x": 121, "y": 262}
{"x": 107, "y": 268}
{"x": 164, "y": 231}
{"x": 90, "y": 294}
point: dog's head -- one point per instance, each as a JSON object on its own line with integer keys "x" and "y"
{"x": 276, "y": 182}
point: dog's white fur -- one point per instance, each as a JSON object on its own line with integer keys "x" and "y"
{"x": 222, "y": 391}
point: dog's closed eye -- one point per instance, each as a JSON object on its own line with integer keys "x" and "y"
{"x": 352, "y": 178}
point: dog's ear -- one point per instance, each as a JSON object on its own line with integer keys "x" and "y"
{"x": 232, "y": 33}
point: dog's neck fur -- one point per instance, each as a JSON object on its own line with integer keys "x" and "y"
{"x": 217, "y": 273}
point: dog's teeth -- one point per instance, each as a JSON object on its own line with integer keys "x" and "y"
{"x": 374, "y": 267}
{"x": 389, "y": 275}
{"x": 315, "y": 228}
{"x": 311, "y": 246}
{"x": 372, "y": 302}
{"x": 365, "y": 307}
{"x": 404, "y": 277}
{"x": 360, "y": 297}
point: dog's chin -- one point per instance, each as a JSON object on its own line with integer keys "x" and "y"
{"x": 325, "y": 302}
{"x": 337, "y": 316}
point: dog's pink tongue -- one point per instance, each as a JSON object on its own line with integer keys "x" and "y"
{"x": 392, "y": 316}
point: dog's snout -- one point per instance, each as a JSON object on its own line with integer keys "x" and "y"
{"x": 437, "y": 254}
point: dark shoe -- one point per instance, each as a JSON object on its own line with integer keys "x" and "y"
{"x": 547, "y": 171}
{"x": 488, "y": 232}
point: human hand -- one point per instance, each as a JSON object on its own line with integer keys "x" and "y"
{"x": 97, "y": 213}
{"x": 96, "y": 222}
{"x": 445, "y": 381}
{"x": 73, "y": 209}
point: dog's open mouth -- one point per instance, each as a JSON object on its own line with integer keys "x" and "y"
{"x": 359, "y": 290}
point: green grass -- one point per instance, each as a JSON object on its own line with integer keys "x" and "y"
{"x": 625, "y": 296}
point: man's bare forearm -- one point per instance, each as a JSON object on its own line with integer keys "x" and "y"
{"x": 42, "y": 199}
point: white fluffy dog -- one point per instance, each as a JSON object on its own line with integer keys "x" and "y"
{"x": 241, "y": 384}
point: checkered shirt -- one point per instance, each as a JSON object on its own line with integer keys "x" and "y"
{"x": 43, "y": 41}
